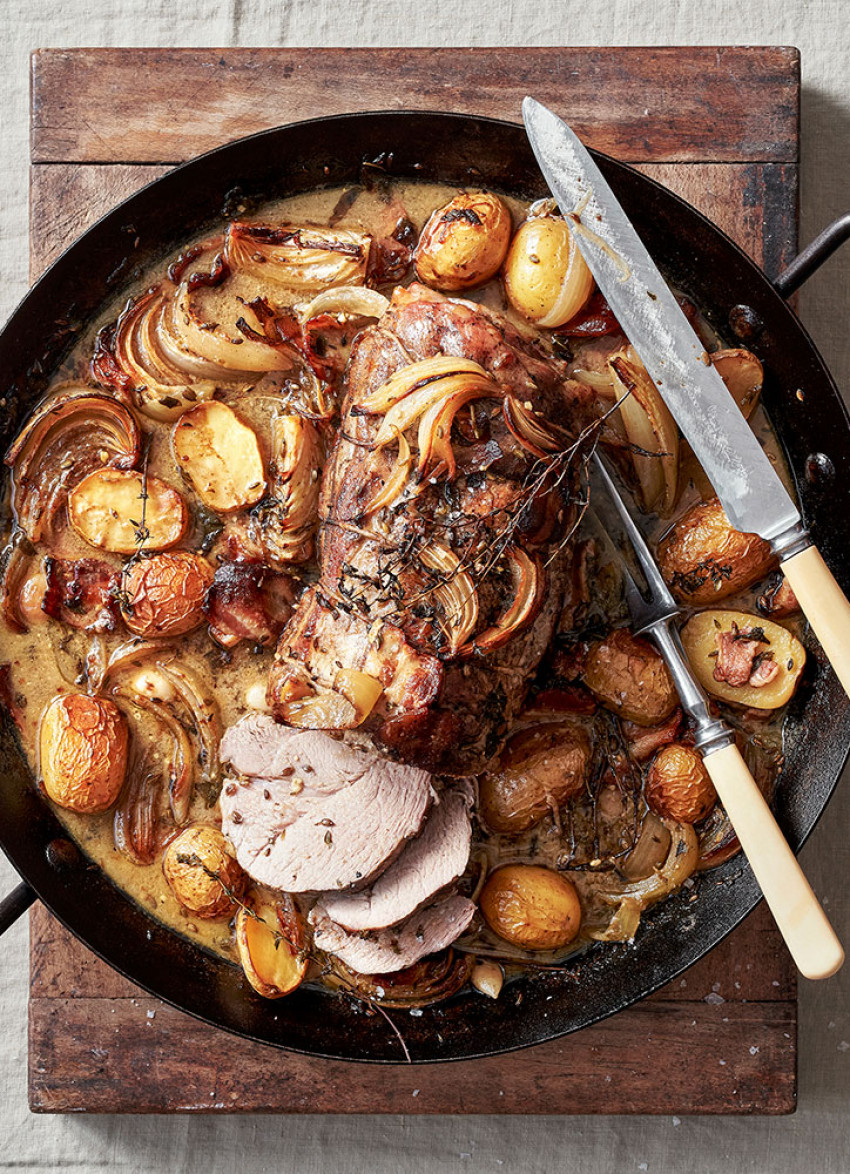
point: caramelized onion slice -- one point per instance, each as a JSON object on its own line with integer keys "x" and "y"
{"x": 298, "y": 257}
{"x": 393, "y": 486}
{"x": 650, "y": 428}
{"x": 527, "y": 429}
{"x": 631, "y": 899}
{"x": 73, "y": 433}
{"x": 355, "y": 301}
{"x": 529, "y": 580}
{"x": 414, "y": 377}
{"x": 435, "y": 426}
{"x": 205, "y": 320}
{"x": 455, "y": 592}
{"x": 425, "y": 982}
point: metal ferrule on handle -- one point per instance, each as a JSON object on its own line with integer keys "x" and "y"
{"x": 710, "y": 732}
{"x": 792, "y": 541}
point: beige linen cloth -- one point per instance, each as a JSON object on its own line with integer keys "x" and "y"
{"x": 817, "y": 1138}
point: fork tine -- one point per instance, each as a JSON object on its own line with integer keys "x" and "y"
{"x": 658, "y": 589}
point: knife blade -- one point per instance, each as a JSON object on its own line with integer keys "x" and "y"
{"x": 754, "y": 498}
{"x": 745, "y": 480}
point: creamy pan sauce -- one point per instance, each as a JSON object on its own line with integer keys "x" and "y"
{"x": 52, "y": 658}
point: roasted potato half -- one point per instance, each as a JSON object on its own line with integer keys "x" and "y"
{"x": 678, "y": 785}
{"x": 704, "y": 559}
{"x": 202, "y": 872}
{"x": 164, "y": 595}
{"x": 123, "y": 511}
{"x": 464, "y": 243}
{"x": 271, "y": 943}
{"x": 532, "y": 907}
{"x": 539, "y": 770}
{"x": 546, "y": 278}
{"x": 744, "y": 659}
{"x": 629, "y": 677}
{"x": 82, "y": 751}
{"x": 221, "y": 457}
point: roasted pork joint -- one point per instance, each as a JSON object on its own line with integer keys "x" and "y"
{"x": 438, "y": 515}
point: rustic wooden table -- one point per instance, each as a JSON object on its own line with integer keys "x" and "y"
{"x": 719, "y": 127}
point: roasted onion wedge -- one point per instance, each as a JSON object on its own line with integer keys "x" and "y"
{"x": 124, "y": 511}
{"x": 284, "y": 526}
{"x": 414, "y": 377}
{"x": 206, "y": 319}
{"x": 154, "y": 679}
{"x": 650, "y": 429}
{"x": 529, "y": 581}
{"x": 526, "y": 427}
{"x": 76, "y": 431}
{"x": 631, "y": 899}
{"x": 424, "y": 983}
{"x": 132, "y": 356}
{"x": 298, "y": 257}
{"x": 220, "y": 455}
{"x": 394, "y": 484}
{"x": 454, "y": 591}
{"x": 349, "y": 301}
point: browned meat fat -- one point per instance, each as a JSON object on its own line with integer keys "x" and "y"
{"x": 388, "y": 950}
{"x": 313, "y": 813}
{"x": 428, "y": 864}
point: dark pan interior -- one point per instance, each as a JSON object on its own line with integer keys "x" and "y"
{"x": 464, "y": 151}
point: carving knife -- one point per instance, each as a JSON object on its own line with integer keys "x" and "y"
{"x": 754, "y": 498}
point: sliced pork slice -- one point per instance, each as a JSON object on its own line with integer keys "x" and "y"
{"x": 330, "y": 815}
{"x": 431, "y": 862}
{"x": 388, "y": 950}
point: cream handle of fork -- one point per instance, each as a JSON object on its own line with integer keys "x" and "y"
{"x": 802, "y": 922}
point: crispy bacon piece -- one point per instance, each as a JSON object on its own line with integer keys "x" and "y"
{"x": 741, "y": 659}
{"x": 778, "y": 600}
{"x": 81, "y": 593}
{"x": 644, "y": 741}
{"x": 247, "y": 601}
{"x": 595, "y": 319}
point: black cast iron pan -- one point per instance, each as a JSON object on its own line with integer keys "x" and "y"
{"x": 815, "y": 429}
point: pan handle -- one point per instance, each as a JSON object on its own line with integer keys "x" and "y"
{"x": 15, "y": 904}
{"x": 813, "y": 256}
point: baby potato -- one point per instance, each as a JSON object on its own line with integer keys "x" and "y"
{"x": 704, "y": 559}
{"x": 678, "y": 785}
{"x": 82, "y": 750}
{"x": 109, "y": 509}
{"x": 704, "y": 637}
{"x": 539, "y": 769}
{"x": 464, "y": 243}
{"x": 629, "y": 677}
{"x": 271, "y": 943}
{"x": 221, "y": 457}
{"x": 546, "y": 278}
{"x": 532, "y": 907}
{"x": 164, "y": 595}
{"x": 185, "y": 863}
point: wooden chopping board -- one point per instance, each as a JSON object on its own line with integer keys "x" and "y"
{"x": 718, "y": 126}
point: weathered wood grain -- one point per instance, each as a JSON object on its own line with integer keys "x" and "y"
{"x": 719, "y": 127}
{"x": 138, "y": 1056}
{"x": 164, "y": 105}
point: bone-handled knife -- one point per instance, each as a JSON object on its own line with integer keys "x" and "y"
{"x": 754, "y": 498}
{"x": 802, "y": 922}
